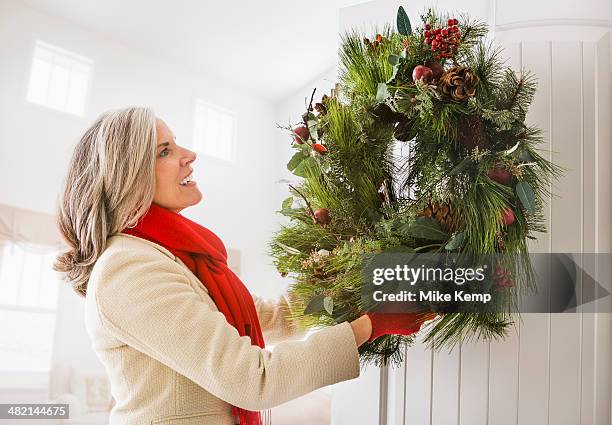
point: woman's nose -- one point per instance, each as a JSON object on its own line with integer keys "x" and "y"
{"x": 189, "y": 157}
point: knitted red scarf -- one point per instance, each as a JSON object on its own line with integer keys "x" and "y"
{"x": 204, "y": 253}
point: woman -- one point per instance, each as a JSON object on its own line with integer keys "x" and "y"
{"x": 180, "y": 336}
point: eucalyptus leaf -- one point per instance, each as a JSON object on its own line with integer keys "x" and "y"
{"x": 403, "y": 23}
{"x": 328, "y": 304}
{"x": 425, "y": 228}
{"x": 311, "y": 116}
{"x": 381, "y": 93}
{"x": 315, "y": 305}
{"x": 456, "y": 241}
{"x": 308, "y": 164}
{"x": 287, "y": 203}
{"x": 295, "y": 160}
{"x": 524, "y": 191}
{"x": 312, "y": 128}
{"x": 395, "y": 69}
{"x": 525, "y": 157}
{"x": 393, "y": 59}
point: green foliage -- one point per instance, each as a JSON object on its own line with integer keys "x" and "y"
{"x": 375, "y": 195}
{"x": 403, "y": 23}
{"x": 363, "y": 68}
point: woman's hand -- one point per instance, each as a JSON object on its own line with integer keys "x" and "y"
{"x": 362, "y": 328}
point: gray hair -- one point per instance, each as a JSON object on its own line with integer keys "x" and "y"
{"x": 109, "y": 186}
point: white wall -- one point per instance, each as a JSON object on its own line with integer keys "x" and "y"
{"x": 36, "y": 144}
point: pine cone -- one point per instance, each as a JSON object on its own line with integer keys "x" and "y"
{"x": 449, "y": 219}
{"x": 459, "y": 83}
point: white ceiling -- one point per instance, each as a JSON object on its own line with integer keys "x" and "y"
{"x": 269, "y": 47}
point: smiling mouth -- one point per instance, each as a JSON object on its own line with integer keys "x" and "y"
{"x": 188, "y": 181}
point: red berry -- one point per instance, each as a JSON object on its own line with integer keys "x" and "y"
{"x": 427, "y": 27}
{"x": 500, "y": 272}
{"x": 455, "y": 21}
{"x": 300, "y": 134}
{"x": 422, "y": 72}
{"x": 427, "y": 33}
{"x": 434, "y": 43}
{"x": 433, "y": 48}
{"x": 508, "y": 217}
{"x": 451, "y": 22}
{"x": 428, "y": 41}
{"x": 444, "y": 32}
{"x": 319, "y": 147}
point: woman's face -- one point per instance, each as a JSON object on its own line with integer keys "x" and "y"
{"x": 172, "y": 166}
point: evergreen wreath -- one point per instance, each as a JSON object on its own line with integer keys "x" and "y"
{"x": 473, "y": 180}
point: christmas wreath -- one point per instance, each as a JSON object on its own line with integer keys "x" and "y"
{"x": 421, "y": 147}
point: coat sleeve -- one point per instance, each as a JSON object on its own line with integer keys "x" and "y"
{"x": 276, "y": 324}
{"x": 149, "y": 305}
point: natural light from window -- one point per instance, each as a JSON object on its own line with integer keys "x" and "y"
{"x": 214, "y": 131}
{"x": 59, "y": 79}
{"x": 28, "y": 303}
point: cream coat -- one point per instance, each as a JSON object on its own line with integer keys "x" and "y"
{"x": 171, "y": 356}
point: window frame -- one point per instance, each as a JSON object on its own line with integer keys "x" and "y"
{"x": 25, "y": 378}
{"x": 233, "y": 160}
{"x": 37, "y": 40}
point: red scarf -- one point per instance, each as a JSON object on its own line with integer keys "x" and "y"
{"x": 204, "y": 253}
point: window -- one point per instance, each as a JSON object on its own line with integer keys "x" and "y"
{"x": 28, "y": 303}
{"x": 59, "y": 79}
{"x": 214, "y": 131}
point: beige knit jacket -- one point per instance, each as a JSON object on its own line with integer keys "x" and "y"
{"x": 171, "y": 356}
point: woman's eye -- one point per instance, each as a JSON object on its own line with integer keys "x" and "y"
{"x": 161, "y": 153}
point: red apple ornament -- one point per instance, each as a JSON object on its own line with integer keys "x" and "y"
{"x": 500, "y": 175}
{"x": 437, "y": 69}
{"x": 422, "y": 72}
{"x": 322, "y": 216}
{"x": 300, "y": 134}
{"x": 508, "y": 216}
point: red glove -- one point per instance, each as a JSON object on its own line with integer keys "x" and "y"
{"x": 397, "y": 323}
